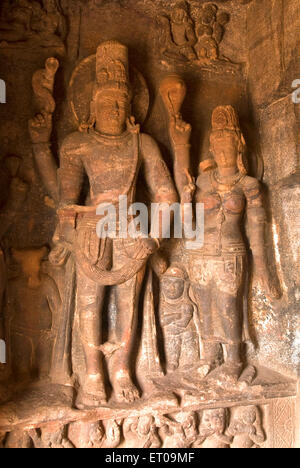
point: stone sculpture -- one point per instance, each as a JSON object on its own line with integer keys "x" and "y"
{"x": 179, "y": 320}
{"x": 179, "y": 34}
{"x": 32, "y": 330}
{"x": 212, "y": 429}
{"x": 28, "y": 22}
{"x": 218, "y": 270}
{"x": 246, "y": 428}
{"x": 106, "y": 130}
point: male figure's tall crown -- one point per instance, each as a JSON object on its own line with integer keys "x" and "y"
{"x": 112, "y": 66}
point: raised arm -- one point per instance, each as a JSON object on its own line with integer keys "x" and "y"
{"x": 40, "y": 129}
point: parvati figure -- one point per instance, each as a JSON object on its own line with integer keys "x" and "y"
{"x": 218, "y": 269}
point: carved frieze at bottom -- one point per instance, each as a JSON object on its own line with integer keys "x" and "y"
{"x": 268, "y": 425}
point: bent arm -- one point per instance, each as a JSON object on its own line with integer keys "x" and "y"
{"x": 256, "y": 216}
{"x": 70, "y": 174}
{"x": 47, "y": 168}
{"x": 157, "y": 176}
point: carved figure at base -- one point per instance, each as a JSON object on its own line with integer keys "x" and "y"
{"x": 31, "y": 329}
{"x": 141, "y": 433}
{"x": 18, "y": 439}
{"x": 212, "y": 429}
{"x": 177, "y": 317}
{"x": 51, "y": 437}
{"x": 182, "y": 432}
{"x": 246, "y": 428}
{"x": 94, "y": 435}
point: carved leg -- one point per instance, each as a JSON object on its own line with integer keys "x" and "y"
{"x": 127, "y": 303}
{"x": 43, "y": 355}
{"x": 21, "y": 355}
{"x": 90, "y": 299}
{"x": 211, "y": 349}
{"x": 173, "y": 344}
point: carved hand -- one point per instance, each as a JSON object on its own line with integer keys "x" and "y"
{"x": 40, "y": 128}
{"x": 146, "y": 247}
{"x": 189, "y": 190}
{"x": 180, "y": 131}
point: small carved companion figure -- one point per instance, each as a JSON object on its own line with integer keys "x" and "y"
{"x": 51, "y": 437}
{"x": 94, "y": 435}
{"x": 25, "y": 21}
{"x": 182, "y": 432}
{"x": 10, "y": 205}
{"x": 210, "y": 29}
{"x": 31, "y": 328}
{"x": 246, "y": 428}
{"x": 141, "y": 433}
{"x": 180, "y": 35}
{"x": 178, "y": 315}
{"x": 18, "y": 439}
{"x": 212, "y": 429}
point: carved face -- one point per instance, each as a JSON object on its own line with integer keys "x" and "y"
{"x": 214, "y": 421}
{"x": 189, "y": 425}
{"x": 209, "y": 15}
{"x": 111, "y": 109}
{"x": 49, "y": 5}
{"x": 248, "y": 415}
{"x": 179, "y": 15}
{"x": 96, "y": 434}
{"x": 144, "y": 425}
{"x": 173, "y": 288}
{"x": 225, "y": 148}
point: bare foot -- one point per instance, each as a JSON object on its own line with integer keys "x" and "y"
{"x": 92, "y": 393}
{"x": 125, "y": 390}
{"x": 227, "y": 372}
{"x": 248, "y": 375}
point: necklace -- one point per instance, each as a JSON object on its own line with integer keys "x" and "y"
{"x": 228, "y": 185}
{"x": 110, "y": 140}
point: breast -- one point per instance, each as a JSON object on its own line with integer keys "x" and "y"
{"x": 234, "y": 204}
{"x": 211, "y": 202}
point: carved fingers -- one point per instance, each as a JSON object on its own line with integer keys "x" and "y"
{"x": 189, "y": 189}
{"x": 40, "y": 128}
{"x": 180, "y": 131}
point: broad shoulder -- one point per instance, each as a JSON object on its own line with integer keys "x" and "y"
{"x": 204, "y": 180}
{"x": 75, "y": 140}
{"x": 251, "y": 184}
